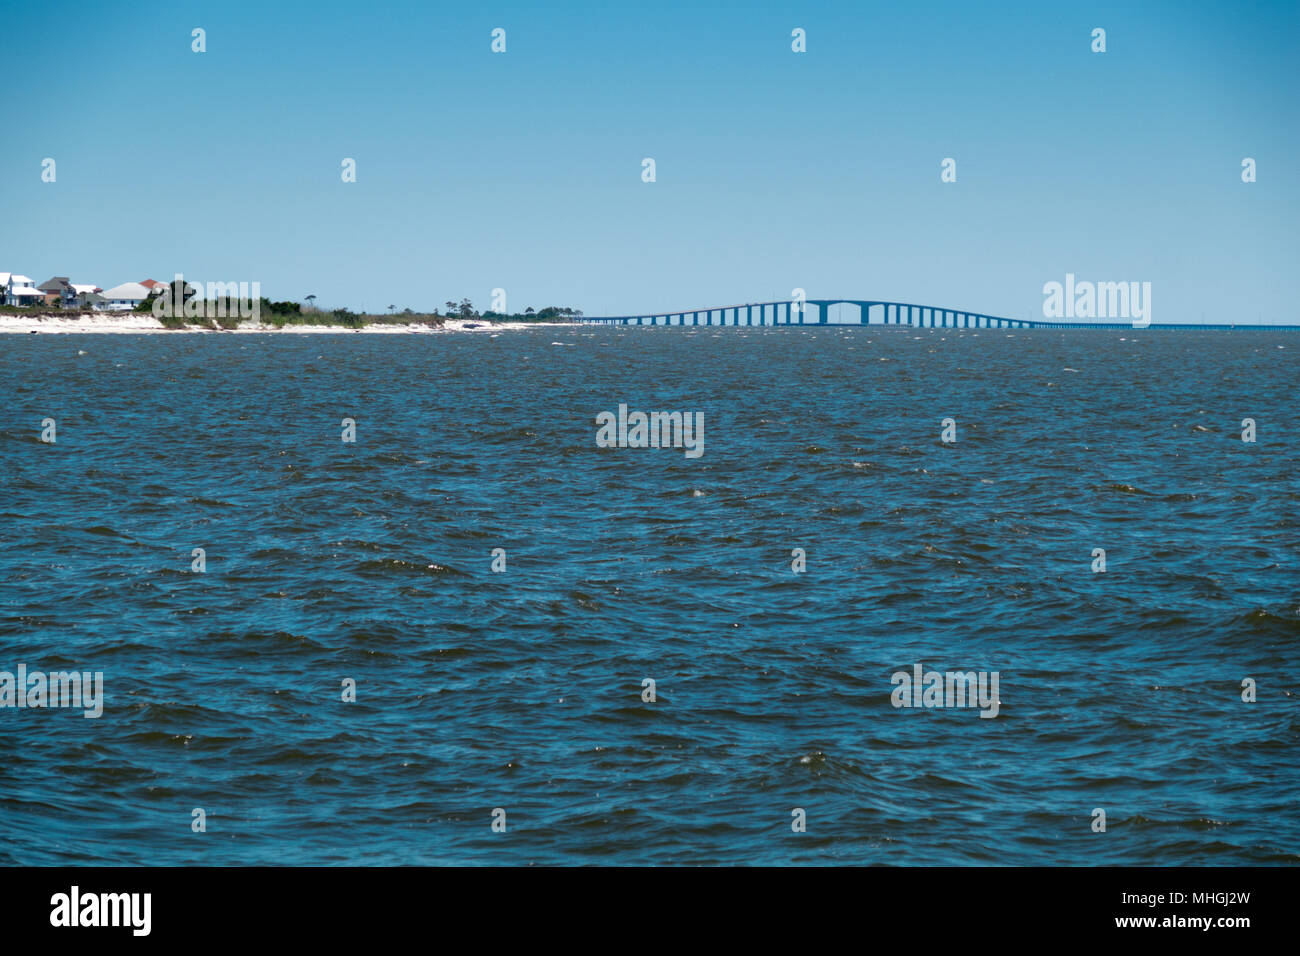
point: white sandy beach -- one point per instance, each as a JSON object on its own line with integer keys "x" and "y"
{"x": 138, "y": 323}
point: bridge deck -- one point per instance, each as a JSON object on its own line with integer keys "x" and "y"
{"x": 789, "y": 312}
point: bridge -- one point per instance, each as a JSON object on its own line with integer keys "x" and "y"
{"x": 790, "y": 312}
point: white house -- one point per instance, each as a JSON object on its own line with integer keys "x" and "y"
{"x": 20, "y": 290}
{"x": 122, "y": 297}
{"x": 80, "y": 295}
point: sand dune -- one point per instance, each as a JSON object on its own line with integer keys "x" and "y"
{"x": 138, "y": 323}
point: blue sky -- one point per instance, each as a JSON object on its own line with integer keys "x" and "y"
{"x": 775, "y": 170}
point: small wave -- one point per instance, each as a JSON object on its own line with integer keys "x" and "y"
{"x": 1124, "y": 489}
{"x": 397, "y": 565}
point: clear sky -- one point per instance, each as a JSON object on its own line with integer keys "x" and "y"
{"x": 775, "y": 170}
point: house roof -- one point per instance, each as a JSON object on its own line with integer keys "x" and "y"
{"x": 56, "y": 284}
{"x": 4, "y": 278}
{"x": 19, "y": 280}
{"x": 83, "y": 287}
{"x": 127, "y": 290}
{"x": 151, "y": 283}
{"x": 26, "y": 291}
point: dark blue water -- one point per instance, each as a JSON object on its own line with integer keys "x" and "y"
{"x": 522, "y": 690}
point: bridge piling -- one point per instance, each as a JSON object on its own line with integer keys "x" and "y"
{"x": 788, "y": 312}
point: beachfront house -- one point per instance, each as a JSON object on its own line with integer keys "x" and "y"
{"x": 82, "y": 295}
{"x": 52, "y": 291}
{"x": 68, "y": 295}
{"x": 20, "y": 290}
{"x": 122, "y": 297}
{"x": 55, "y": 290}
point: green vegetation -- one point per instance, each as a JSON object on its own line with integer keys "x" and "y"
{"x": 44, "y": 312}
{"x": 224, "y": 313}
{"x": 551, "y": 313}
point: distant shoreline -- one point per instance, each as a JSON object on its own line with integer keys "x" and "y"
{"x": 142, "y": 323}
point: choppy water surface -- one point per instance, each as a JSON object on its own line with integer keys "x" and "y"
{"x": 522, "y": 690}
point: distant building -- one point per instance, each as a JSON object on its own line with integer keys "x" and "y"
{"x": 69, "y": 295}
{"x": 121, "y": 298}
{"x": 82, "y": 296}
{"x": 52, "y": 291}
{"x": 20, "y": 290}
